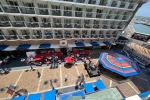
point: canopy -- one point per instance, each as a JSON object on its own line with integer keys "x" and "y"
{"x": 119, "y": 64}
{"x": 10, "y": 48}
{"x": 100, "y": 85}
{"x": 50, "y": 95}
{"x": 3, "y": 47}
{"x": 94, "y": 44}
{"x": 34, "y": 96}
{"x": 107, "y": 43}
{"x": 68, "y": 59}
{"x": 79, "y": 44}
{"x": 88, "y": 87}
{"x": 24, "y": 46}
{"x": 19, "y": 98}
{"x": 46, "y": 45}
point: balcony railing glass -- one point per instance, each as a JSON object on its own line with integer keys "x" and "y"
{"x": 1, "y": 37}
{"x": 68, "y": 25}
{"x": 78, "y": 25}
{"x": 89, "y": 14}
{"x": 11, "y": 9}
{"x": 42, "y": 11}
{"x": 87, "y": 26}
{"x": 32, "y": 24}
{"x": 56, "y": 12}
{"x": 100, "y": 15}
{"x": 45, "y": 24}
{"x": 96, "y": 26}
{"x": 27, "y": 10}
{"x": 67, "y": 13}
{"x": 4, "y": 24}
{"x": 57, "y": 25}
{"x": 18, "y": 24}
{"x": 78, "y": 14}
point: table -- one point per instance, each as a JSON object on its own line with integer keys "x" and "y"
{"x": 68, "y": 59}
{"x": 58, "y": 54}
{"x": 86, "y": 52}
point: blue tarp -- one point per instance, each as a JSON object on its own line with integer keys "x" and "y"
{"x": 144, "y": 94}
{"x": 50, "y": 95}
{"x": 79, "y": 44}
{"x": 3, "y": 47}
{"x": 46, "y": 45}
{"x": 19, "y": 98}
{"x": 107, "y": 43}
{"x": 24, "y": 46}
{"x": 88, "y": 87}
{"x": 71, "y": 94}
{"x": 100, "y": 85}
{"x": 94, "y": 43}
{"x": 34, "y": 96}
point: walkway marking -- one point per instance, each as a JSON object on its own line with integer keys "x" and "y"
{"x": 110, "y": 83}
{"x": 40, "y": 79}
{"x": 133, "y": 88}
{"x": 141, "y": 78}
{"x": 77, "y": 70}
{"x": 19, "y": 78}
{"x": 60, "y": 76}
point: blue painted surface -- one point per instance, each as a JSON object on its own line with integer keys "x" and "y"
{"x": 79, "y": 44}
{"x": 94, "y": 43}
{"x": 3, "y": 47}
{"x": 107, "y": 43}
{"x": 46, "y": 45}
{"x": 24, "y": 46}
{"x": 34, "y": 96}
{"x": 19, "y": 98}
{"x": 88, "y": 87}
{"x": 144, "y": 94}
{"x": 50, "y": 95}
{"x": 100, "y": 85}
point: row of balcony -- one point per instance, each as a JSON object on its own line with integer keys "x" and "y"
{"x": 56, "y": 12}
{"x": 59, "y": 25}
{"x": 56, "y": 36}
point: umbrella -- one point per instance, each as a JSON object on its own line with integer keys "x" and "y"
{"x": 119, "y": 64}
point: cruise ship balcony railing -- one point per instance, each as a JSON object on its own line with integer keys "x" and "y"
{"x": 96, "y": 26}
{"x": 27, "y": 10}
{"x": 131, "y": 6}
{"x": 92, "y": 2}
{"x": 114, "y": 35}
{"x": 78, "y": 26}
{"x": 101, "y": 36}
{"x": 94, "y": 36}
{"x": 56, "y": 12}
{"x": 1, "y": 9}
{"x": 68, "y": 36}
{"x": 26, "y": 37}
{"x": 110, "y": 16}
{"x": 67, "y": 13}
{"x": 32, "y": 24}
{"x": 2, "y": 37}
{"x": 58, "y": 36}
{"x": 45, "y": 24}
{"x": 57, "y": 25}
{"x": 12, "y": 37}
{"x": 120, "y": 27}
{"x": 77, "y": 35}
{"x": 103, "y": 2}
{"x": 85, "y": 36}
{"x": 87, "y": 26}
{"x": 68, "y": 25}
{"x": 37, "y": 36}
{"x": 18, "y": 24}
{"x": 68, "y": 0}
{"x": 119, "y": 17}
{"x": 78, "y": 14}
{"x": 106, "y": 26}
{"x": 42, "y": 11}
{"x": 122, "y": 5}
{"x": 108, "y": 36}
{"x": 125, "y": 17}
{"x": 113, "y": 26}
{"x": 80, "y": 1}
{"x": 114, "y": 4}
{"x": 89, "y": 14}
{"x": 10, "y": 9}
{"x": 48, "y": 36}
{"x": 4, "y": 24}
{"x": 100, "y": 15}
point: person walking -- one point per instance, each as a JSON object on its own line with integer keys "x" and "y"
{"x": 66, "y": 78}
{"x": 39, "y": 74}
{"x": 31, "y": 67}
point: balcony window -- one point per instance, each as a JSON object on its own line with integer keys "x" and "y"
{"x": 28, "y": 9}
{"x": 86, "y": 23}
{"x": 76, "y": 34}
{"x": 99, "y": 13}
{"x": 93, "y": 34}
{"x": 67, "y": 11}
{"x": 131, "y": 6}
{"x": 12, "y": 34}
{"x": 45, "y": 22}
{"x": 103, "y": 2}
{"x": 12, "y": 3}
{"x": 114, "y": 4}
{"x": 80, "y": 1}
{"x": 69, "y": 0}
{"x": 1, "y": 10}
{"x": 68, "y": 34}
{"x": 58, "y": 34}
{"x": 78, "y": 12}
{"x": 56, "y": 10}
{"x": 84, "y": 34}
{"x": 11, "y": 9}
{"x": 122, "y": 5}
{"x": 37, "y": 34}
{"x": 114, "y": 34}
{"x": 89, "y": 13}
{"x": 108, "y": 34}
{"x": 101, "y": 34}
{"x": 92, "y": 1}
{"x": 25, "y": 34}
{"x": 57, "y": 23}
{"x": 48, "y": 34}
{"x": 96, "y": 24}
{"x": 43, "y": 9}
{"x": 78, "y": 23}
{"x": 1, "y": 35}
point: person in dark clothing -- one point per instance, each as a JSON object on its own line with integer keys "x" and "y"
{"x": 39, "y": 74}
{"x": 31, "y": 67}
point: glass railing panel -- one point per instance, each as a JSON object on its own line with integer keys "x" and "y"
{"x": 131, "y": 6}
{"x": 87, "y": 26}
{"x": 104, "y": 3}
{"x": 68, "y": 25}
{"x": 2, "y": 37}
{"x": 45, "y": 24}
{"x": 113, "y": 26}
{"x": 11, "y": 9}
{"x": 76, "y": 36}
{"x": 89, "y": 15}
{"x": 122, "y": 5}
{"x": 78, "y": 26}
{"x": 32, "y": 24}
{"x": 27, "y": 10}
{"x": 12, "y": 37}
{"x": 58, "y": 36}
{"x": 105, "y": 26}
{"x": 18, "y": 24}
{"x": 85, "y": 35}
{"x": 100, "y": 15}
{"x": 56, "y": 12}
{"x": 57, "y": 25}
{"x": 120, "y": 26}
{"x": 96, "y": 26}
{"x": 1, "y": 9}
{"x": 80, "y": 1}
{"x": 92, "y": 2}
{"x": 68, "y": 0}
{"x": 48, "y": 36}
{"x": 78, "y": 13}
{"x": 4, "y": 24}
{"x": 26, "y": 36}
{"x": 68, "y": 13}
{"x": 110, "y": 16}
{"x": 118, "y": 17}
{"x": 42, "y": 11}
{"x": 68, "y": 36}
{"x": 94, "y": 36}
